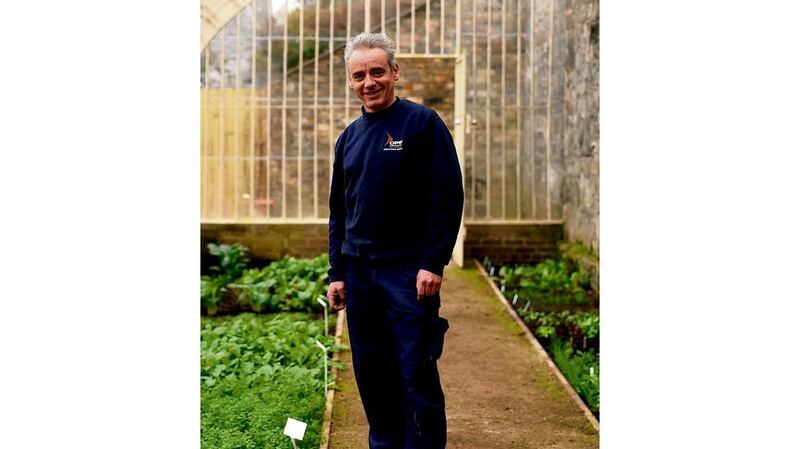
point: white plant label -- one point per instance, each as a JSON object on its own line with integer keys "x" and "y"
{"x": 503, "y": 288}
{"x": 527, "y": 304}
{"x": 295, "y": 429}
{"x": 591, "y": 371}
{"x": 516, "y": 297}
{"x": 491, "y": 271}
{"x": 321, "y": 299}
{"x": 321, "y": 346}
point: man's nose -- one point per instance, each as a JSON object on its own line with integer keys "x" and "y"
{"x": 368, "y": 81}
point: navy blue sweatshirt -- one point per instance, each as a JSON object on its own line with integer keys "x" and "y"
{"x": 396, "y": 189}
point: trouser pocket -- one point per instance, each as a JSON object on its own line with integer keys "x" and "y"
{"x": 439, "y": 327}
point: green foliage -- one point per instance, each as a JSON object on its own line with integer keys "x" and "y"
{"x": 577, "y": 368}
{"x": 212, "y": 288}
{"x": 566, "y": 323}
{"x": 252, "y": 347}
{"x": 548, "y": 282}
{"x": 557, "y": 287}
{"x": 288, "y": 284}
{"x": 257, "y": 370}
{"x": 235, "y": 416}
{"x": 232, "y": 260}
{"x": 578, "y": 249}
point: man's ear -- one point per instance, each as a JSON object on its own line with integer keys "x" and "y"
{"x": 396, "y": 71}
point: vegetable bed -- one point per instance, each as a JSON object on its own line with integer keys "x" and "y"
{"x": 288, "y": 284}
{"x": 555, "y": 300}
{"x": 258, "y": 369}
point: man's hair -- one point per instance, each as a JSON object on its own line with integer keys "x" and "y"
{"x": 371, "y": 40}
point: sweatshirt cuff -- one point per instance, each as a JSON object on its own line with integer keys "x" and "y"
{"x": 335, "y": 275}
{"x": 433, "y": 267}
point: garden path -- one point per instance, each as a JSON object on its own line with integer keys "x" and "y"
{"x": 499, "y": 392}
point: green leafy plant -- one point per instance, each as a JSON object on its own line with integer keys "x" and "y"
{"x": 582, "y": 370}
{"x": 570, "y": 336}
{"x": 212, "y": 289}
{"x": 232, "y": 260}
{"x": 548, "y": 282}
{"x": 289, "y": 284}
{"x": 566, "y": 324}
{"x": 255, "y": 371}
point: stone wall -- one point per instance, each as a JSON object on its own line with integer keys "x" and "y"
{"x": 581, "y": 165}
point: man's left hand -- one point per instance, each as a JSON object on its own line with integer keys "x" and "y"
{"x": 427, "y": 284}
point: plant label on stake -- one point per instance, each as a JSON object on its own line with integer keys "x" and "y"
{"x": 503, "y": 288}
{"x": 527, "y": 304}
{"x": 491, "y": 271}
{"x": 295, "y": 430}
{"x": 516, "y": 297}
{"x": 324, "y": 362}
{"x": 324, "y": 304}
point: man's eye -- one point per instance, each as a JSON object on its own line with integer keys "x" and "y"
{"x": 378, "y": 73}
{"x": 358, "y": 77}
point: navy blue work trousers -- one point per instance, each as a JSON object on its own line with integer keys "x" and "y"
{"x": 395, "y": 342}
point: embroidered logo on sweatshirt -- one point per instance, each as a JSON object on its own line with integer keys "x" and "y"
{"x": 391, "y": 144}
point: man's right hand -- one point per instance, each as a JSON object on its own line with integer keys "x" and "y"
{"x": 336, "y": 296}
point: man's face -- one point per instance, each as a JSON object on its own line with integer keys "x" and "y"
{"x": 371, "y": 78}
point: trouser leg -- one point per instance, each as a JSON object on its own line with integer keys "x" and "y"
{"x": 418, "y": 332}
{"x": 375, "y": 360}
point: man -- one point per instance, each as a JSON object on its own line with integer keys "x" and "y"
{"x": 395, "y": 209}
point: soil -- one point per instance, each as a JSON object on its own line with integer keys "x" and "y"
{"x": 499, "y": 393}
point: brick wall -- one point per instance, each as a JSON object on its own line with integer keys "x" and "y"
{"x": 268, "y": 241}
{"x": 500, "y": 242}
{"x": 512, "y": 242}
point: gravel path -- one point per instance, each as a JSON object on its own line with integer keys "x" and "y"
{"x": 498, "y": 392}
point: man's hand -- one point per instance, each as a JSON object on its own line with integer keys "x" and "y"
{"x": 336, "y": 296}
{"x": 427, "y": 284}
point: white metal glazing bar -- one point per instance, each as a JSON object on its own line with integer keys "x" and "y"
{"x": 503, "y": 110}
{"x": 267, "y": 162}
{"x": 427, "y": 27}
{"x": 253, "y": 14}
{"x": 316, "y": 106}
{"x": 221, "y": 130}
{"x": 549, "y": 106}
{"x": 413, "y": 35}
{"x": 473, "y": 96}
{"x": 346, "y": 87}
{"x": 283, "y": 109}
{"x": 330, "y": 93}
{"x": 519, "y": 109}
{"x": 206, "y": 146}
{"x": 238, "y": 85}
{"x": 532, "y": 122}
{"x": 300, "y": 114}
{"x": 367, "y": 13}
{"x": 441, "y": 26}
{"x": 488, "y": 107}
